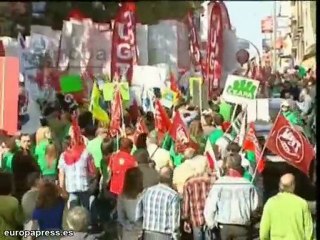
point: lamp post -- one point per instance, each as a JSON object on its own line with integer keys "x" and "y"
{"x": 254, "y": 46}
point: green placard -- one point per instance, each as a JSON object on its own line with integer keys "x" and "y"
{"x": 108, "y": 90}
{"x": 71, "y": 83}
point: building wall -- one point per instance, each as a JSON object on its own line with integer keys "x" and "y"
{"x": 302, "y": 30}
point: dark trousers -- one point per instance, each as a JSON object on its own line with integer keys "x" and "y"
{"x": 234, "y": 232}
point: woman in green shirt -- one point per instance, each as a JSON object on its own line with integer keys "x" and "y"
{"x": 46, "y": 153}
{"x": 10, "y": 147}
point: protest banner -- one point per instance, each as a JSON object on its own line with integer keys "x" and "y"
{"x": 240, "y": 90}
{"x": 9, "y": 91}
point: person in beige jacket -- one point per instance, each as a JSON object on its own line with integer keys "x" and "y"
{"x": 192, "y": 166}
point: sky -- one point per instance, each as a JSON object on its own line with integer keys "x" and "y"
{"x": 246, "y": 17}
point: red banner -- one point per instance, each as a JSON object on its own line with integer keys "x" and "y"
{"x": 194, "y": 43}
{"x": 116, "y": 112}
{"x": 123, "y": 54}
{"x": 9, "y": 91}
{"x": 214, "y": 49}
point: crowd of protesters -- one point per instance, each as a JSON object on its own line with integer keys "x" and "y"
{"x": 71, "y": 175}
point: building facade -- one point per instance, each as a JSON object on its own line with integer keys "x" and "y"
{"x": 304, "y": 33}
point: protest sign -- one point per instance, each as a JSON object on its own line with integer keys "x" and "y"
{"x": 240, "y": 90}
{"x": 9, "y": 91}
{"x": 71, "y": 83}
{"x": 109, "y": 89}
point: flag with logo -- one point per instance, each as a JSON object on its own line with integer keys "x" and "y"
{"x": 291, "y": 145}
{"x": 241, "y": 132}
{"x": 162, "y": 121}
{"x": 95, "y": 108}
{"x": 252, "y": 148}
{"x": 116, "y": 114}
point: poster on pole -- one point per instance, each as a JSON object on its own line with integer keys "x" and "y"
{"x": 240, "y": 90}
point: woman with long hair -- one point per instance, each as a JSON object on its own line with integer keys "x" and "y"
{"x": 9, "y": 148}
{"x": 49, "y": 207}
{"x": 127, "y": 202}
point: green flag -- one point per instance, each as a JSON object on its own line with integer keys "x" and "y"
{"x": 71, "y": 83}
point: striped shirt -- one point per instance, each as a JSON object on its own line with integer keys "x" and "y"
{"x": 159, "y": 207}
{"x": 195, "y": 193}
{"x": 76, "y": 175}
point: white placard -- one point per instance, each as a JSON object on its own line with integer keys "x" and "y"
{"x": 240, "y": 90}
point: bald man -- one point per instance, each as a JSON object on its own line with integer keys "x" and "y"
{"x": 286, "y": 215}
{"x": 159, "y": 209}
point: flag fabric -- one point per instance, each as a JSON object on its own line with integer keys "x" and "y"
{"x": 97, "y": 111}
{"x": 213, "y": 164}
{"x": 241, "y": 132}
{"x": 194, "y": 46}
{"x": 141, "y": 127}
{"x": 252, "y": 147}
{"x": 290, "y": 144}
{"x": 215, "y": 49}
{"x": 116, "y": 112}
{"x": 123, "y": 50}
{"x": 2, "y": 50}
{"x": 162, "y": 121}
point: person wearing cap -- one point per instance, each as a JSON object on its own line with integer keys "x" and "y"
{"x": 286, "y": 215}
{"x": 231, "y": 202}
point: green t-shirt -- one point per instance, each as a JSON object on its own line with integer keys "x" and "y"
{"x": 215, "y": 135}
{"x": 94, "y": 148}
{"x": 40, "y": 152}
{"x": 7, "y": 162}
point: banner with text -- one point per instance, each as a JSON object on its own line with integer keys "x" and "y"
{"x": 240, "y": 90}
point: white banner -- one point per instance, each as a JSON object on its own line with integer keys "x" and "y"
{"x": 240, "y": 90}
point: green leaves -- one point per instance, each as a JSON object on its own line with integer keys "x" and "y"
{"x": 243, "y": 88}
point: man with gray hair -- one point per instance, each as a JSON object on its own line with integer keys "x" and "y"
{"x": 286, "y": 215}
{"x": 77, "y": 222}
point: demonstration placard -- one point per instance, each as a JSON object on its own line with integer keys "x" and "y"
{"x": 240, "y": 90}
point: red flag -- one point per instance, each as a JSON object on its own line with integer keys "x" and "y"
{"x": 194, "y": 43}
{"x": 162, "y": 121}
{"x": 116, "y": 108}
{"x": 141, "y": 127}
{"x": 291, "y": 145}
{"x": 178, "y": 130}
{"x": 123, "y": 54}
{"x": 215, "y": 49}
{"x": 251, "y": 143}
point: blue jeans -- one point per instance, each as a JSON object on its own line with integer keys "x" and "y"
{"x": 200, "y": 233}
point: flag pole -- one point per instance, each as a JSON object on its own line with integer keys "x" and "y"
{"x": 264, "y": 148}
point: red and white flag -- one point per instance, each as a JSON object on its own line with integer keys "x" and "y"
{"x": 162, "y": 120}
{"x": 214, "y": 49}
{"x": 291, "y": 145}
{"x": 116, "y": 112}
{"x": 194, "y": 43}
{"x": 141, "y": 127}
{"x": 212, "y": 160}
{"x": 251, "y": 143}
{"x": 124, "y": 54}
